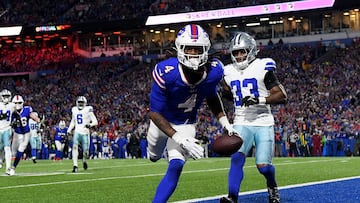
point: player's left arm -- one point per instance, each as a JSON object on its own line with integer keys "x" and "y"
{"x": 277, "y": 91}
{"x": 93, "y": 119}
{"x": 217, "y": 108}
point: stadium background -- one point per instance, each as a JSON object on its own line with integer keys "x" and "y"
{"x": 104, "y": 50}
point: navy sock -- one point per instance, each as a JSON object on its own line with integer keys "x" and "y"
{"x": 236, "y": 174}
{"x": 17, "y": 158}
{"x": 169, "y": 182}
{"x": 269, "y": 173}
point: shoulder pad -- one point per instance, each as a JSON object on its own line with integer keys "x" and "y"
{"x": 270, "y": 64}
{"x": 165, "y": 72}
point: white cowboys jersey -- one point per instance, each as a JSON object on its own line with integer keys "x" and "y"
{"x": 82, "y": 117}
{"x": 250, "y": 82}
{"x": 8, "y": 109}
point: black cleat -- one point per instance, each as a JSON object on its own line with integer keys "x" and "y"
{"x": 274, "y": 196}
{"x": 227, "y": 200}
{"x": 34, "y": 161}
{"x": 75, "y": 169}
{"x": 85, "y": 165}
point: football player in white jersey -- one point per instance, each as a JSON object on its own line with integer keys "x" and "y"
{"x": 254, "y": 87}
{"x": 7, "y": 108}
{"x": 35, "y": 139}
{"x": 83, "y": 118}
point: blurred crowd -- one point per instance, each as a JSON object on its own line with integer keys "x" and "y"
{"x": 37, "y": 12}
{"x": 322, "y": 86}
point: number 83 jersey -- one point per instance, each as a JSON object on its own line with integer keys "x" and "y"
{"x": 250, "y": 82}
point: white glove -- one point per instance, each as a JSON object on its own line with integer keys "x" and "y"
{"x": 224, "y": 122}
{"x": 189, "y": 144}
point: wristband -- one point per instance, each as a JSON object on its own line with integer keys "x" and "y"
{"x": 262, "y": 100}
{"x": 224, "y": 122}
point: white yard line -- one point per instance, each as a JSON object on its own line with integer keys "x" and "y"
{"x": 141, "y": 176}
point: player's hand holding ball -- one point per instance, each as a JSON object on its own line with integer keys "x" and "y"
{"x": 189, "y": 144}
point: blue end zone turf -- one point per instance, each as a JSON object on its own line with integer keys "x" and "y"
{"x": 345, "y": 190}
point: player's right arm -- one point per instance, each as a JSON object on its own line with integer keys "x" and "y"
{"x": 162, "y": 123}
{"x": 72, "y": 122}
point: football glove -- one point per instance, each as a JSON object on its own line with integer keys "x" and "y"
{"x": 248, "y": 101}
{"x": 227, "y": 127}
{"x": 3, "y": 116}
{"x": 189, "y": 144}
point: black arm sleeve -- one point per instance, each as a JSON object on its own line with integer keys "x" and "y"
{"x": 271, "y": 80}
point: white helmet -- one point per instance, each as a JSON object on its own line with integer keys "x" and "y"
{"x": 195, "y": 36}
{"x": 245, "y": 43}
{"x": 62, "y": 124}
{"x": 81, "y": 102}
{"x": 18, "y": 101}
{"x": 5, "y": 96}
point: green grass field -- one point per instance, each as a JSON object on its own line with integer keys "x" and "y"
{"x": 135, "y": 180}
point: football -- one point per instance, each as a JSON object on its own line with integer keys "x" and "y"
{"x": 227, "y": 145}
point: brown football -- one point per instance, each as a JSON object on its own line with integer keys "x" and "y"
{"x": 227, "y": 145}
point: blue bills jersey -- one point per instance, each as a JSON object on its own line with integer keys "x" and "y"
{"x": 24, "y": 124}
{"x": 177, "y": 100}
{"x": 60, "y": 134}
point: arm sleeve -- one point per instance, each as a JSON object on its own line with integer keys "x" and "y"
{"x": 271, "y": 80}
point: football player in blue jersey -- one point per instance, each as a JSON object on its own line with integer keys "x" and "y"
{"x": 180, "y": 85}
{"x": 21, "y": 127}
{"x": 59, "y": 134}
{"x": 254, "y": 87}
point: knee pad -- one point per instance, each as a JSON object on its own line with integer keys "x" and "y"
{"x": 75, "y": 147}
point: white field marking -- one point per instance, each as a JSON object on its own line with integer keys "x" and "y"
{"x": 141, "y": 176}
{"x": 36, "y": 174}
{"x": 265, "y": 190}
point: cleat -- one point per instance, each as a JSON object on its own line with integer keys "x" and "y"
{"x": 85, "y": 165}
{"x": 10, "y": 171}
{"x": 7, "y": 172}
{"x": 274, "y": 196}
{"x": 1, "y": 165}
{"x": 227, "y": 200}
{"x": 75, "y": 169}
{"x": 34, "y": 161}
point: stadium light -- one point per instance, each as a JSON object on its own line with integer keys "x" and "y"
{"x": 239, "y": 12}
{"x": 10, "y": 31}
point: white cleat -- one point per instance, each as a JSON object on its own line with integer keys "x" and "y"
{"x": 7, "y": 171}
{"x": 10, "y": 171}
{"x": 1, "y": 165}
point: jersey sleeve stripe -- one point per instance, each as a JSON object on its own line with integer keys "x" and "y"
{"x": 158, "y": 79}
{"x": 270, "y": 66}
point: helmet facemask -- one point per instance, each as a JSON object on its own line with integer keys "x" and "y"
{"x": 19, "y": 102}
{"x": 81, "y": 102}
{"x": 5, "y": 96}
{"x": 192, "y": 37}
{"x": 62, "y": 124}
{"x": 243, "y": 50}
